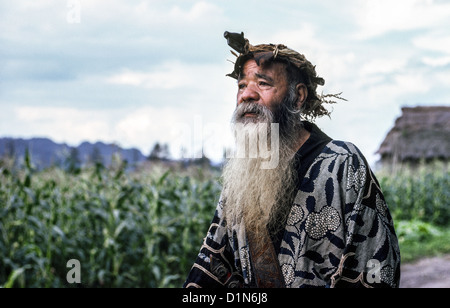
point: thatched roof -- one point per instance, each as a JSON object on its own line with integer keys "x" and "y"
{"x": 419, "y": 133}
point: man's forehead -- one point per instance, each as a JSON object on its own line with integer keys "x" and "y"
{"x": 272, "y": 70}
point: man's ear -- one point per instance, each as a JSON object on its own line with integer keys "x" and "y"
{"x": 302, "y": 92}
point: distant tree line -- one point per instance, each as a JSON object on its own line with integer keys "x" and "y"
{"x": 161, "y": 153}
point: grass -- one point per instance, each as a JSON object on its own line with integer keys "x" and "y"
{"x": 418, "y": 239}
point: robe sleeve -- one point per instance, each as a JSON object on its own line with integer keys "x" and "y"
{"x": 214, "y": 266}
{"x": 371, "y": 257}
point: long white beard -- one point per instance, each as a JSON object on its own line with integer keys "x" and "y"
{"x": 255, "y": 194}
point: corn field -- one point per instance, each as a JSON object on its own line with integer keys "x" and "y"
{"x": 125, "y": 230}
{"x": 422, "y": 193}
{"x": 138, "y": 229}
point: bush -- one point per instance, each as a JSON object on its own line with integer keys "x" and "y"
{"x": 415, "y": 231}
{"x": 420, "y": 239}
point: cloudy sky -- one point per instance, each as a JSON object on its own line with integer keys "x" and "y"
{"x": 137, "y": 72}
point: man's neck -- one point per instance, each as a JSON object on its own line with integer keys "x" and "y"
{"x": 304, "y": 135}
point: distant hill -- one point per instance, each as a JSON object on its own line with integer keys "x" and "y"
{"x": 46, "y": 153}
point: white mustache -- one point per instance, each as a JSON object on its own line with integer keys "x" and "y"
{"x": 263, "y": 113}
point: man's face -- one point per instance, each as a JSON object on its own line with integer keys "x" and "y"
{"x": 253, "y": 192}
{"x": 265, "y": 85}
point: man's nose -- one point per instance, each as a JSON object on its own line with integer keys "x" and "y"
{"x": 249, "y": 94}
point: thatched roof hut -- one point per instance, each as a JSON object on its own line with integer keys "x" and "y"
{"x": 419, "y": 134}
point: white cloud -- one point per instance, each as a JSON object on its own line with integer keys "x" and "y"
{"x": 436, "y": 62}
{"x": 332, "y": 63}
{"x": 442, "y": 79}
{"x": 147, "y": 125}
{"x": 166, "y": 76}
{"x": 104, "y": 20}
{"x": 180, "y": 129}
{"x": 200, "y": 11}
{"x": 62, "y": 123}
{"x": 150, "y": 16}
{"x": 128, "y": 127}
{"x": 412, "y": 83}
{"x": 296, "y": 38}
{"x": 169, "y": 75}
{"x": 375, "y": 18}
{"x": 434, "y": 42}
{"x": 383, "y": 66}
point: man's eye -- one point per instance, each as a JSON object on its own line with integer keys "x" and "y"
{"x": 264, "y": 84}
{"x": 241, "y": 86}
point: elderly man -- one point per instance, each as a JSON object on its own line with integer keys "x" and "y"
{"x": 316, "y": 219}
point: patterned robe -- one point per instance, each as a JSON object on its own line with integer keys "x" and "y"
{"x": 339, "y": 232}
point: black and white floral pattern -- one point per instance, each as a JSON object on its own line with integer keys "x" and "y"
{"x": 338, "y": 225}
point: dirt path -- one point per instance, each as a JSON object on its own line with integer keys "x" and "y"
{"x": 426, "y": 273}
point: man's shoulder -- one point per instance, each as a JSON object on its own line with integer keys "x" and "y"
{"x": 338, "y": 161}
{"x": 341, "y": 152}
{"x": 342, "y": 148}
